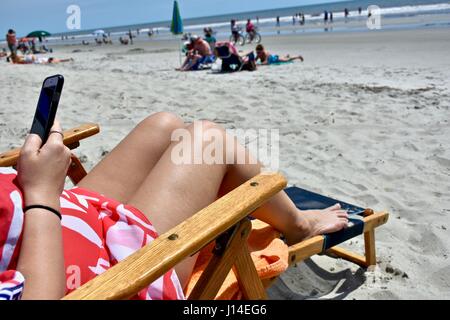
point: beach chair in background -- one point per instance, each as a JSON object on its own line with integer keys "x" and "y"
{"x": 223, "y": 230}
{"x": 231, "y": 60}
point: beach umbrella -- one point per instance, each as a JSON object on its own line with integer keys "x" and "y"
{"x": 38, "y": 34}
{"x": 177, "y": 23}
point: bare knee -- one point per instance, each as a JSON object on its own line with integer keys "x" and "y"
{"x": 205, "y": 125}
{"x": 165, "y": 121}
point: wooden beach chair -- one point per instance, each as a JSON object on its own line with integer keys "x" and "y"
{"x": 226, "y": 222}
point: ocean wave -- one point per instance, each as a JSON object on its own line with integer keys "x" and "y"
{"x": 414, "y": 10}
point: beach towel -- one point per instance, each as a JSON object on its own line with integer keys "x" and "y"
{"x": 269, "y": 254}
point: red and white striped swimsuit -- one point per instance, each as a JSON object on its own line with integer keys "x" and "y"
{"x": 97, "y": 231}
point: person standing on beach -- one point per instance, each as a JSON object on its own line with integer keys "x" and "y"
{"x": 359, "y": 10}
{"x": 209, "y": 37}
{"x": 278, "y": 24}
{"x": 235, "y": 30}
{"x": 11, "y": 40}
{"x": 325, "y": 17}
{"x": 331, "y": 17}
{"x": 130, "y": 35}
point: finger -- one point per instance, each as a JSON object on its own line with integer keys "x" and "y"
{"x": 56, "y": 126}
{"x": 32, "y": 144}
{"x": 55, "y": 135}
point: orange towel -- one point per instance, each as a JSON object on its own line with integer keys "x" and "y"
{"x": 269, "y": 254}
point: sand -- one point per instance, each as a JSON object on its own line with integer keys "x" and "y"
{"x": 365, "y": 119}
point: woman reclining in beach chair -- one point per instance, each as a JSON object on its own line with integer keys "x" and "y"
{"x": 120, "y": 206}
{"x": 232, "y": 61}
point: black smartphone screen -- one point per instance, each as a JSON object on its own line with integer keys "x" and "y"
{"x": 47, "y": 106}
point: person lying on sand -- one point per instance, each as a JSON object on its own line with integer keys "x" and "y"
{"x": 266, "y": 58}
{"x": 121, "y": 204}
{"x": 32, "y": 59}
{"x": 123, "y": 41}
{"x": 199, "y": 55}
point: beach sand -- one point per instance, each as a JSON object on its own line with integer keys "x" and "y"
{"x": 364, "y": 119}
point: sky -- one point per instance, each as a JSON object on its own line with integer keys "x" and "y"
{"x": 25, "y": 16}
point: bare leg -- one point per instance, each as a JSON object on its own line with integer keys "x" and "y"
{"x": 66, "y": 60}
{"x": 172, "y": 193}
{"x": 185, "y": 63}
{"x": 139, "y": 171}
{"x": 124, "y": 169}
{"x": 288, "y": 58}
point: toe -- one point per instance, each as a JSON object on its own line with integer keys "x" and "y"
{"x": 343, "y": 223}
{"x": 336, "y": 206}
{"x": 342, "y": 214}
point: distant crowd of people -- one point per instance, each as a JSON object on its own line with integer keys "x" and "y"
{"x": 199, "y": 51}
{"x": 202, "y": 53}
{"x": 28, "y": 50}
{"x": 300, "y": 18}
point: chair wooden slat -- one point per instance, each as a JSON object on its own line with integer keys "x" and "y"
{"x": 150, "y": 262}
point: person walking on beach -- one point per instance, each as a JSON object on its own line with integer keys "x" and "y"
{"x": 303, "y": 19}
{"x": 331, "y": 17}
{"x": 325, "y": 17}
{"x": 359, "y": 10}
{"x": 12, "y": 41}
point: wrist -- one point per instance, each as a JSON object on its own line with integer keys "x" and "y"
{"x": 46, "y": 199}
{"x": 42, "y": 209}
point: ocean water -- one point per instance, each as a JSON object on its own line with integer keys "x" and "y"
{"x": 395, "y": 14}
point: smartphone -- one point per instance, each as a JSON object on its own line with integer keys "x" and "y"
{"x": 47, "y": 106}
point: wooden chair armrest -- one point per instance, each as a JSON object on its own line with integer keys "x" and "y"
{"x": 71, "y": 139}
{"x": 137, "y": 271}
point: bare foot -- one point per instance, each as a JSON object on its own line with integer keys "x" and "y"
{"x": 315, "y": 222}
{"x": 301, "y": 58}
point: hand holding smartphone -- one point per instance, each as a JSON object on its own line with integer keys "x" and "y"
{"x": 42, "y": 166}
{"x": 47, "y": 106}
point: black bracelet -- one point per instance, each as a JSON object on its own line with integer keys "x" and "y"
{"x": 38, "y": 206}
